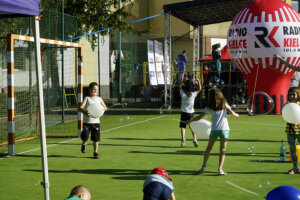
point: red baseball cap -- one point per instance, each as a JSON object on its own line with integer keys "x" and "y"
{"x": 161, "y": 171}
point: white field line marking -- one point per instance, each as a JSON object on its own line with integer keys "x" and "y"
{"x": 241, "y": 188}
{"x": 132, "y": 124}
{"x": 78, "y": 138}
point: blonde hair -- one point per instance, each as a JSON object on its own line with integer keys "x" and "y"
{"x": 78, "y": 190}
{"x": 216, "y": 99}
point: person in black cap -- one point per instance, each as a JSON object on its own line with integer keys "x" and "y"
{"x": 188, "y": 95}
{"x": 158, "y": 186}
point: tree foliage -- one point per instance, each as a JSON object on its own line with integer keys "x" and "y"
{"x": 94, "y": 15}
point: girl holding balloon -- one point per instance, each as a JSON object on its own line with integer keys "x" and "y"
{"x": 217, "y": 106}
{"x": 293, "y": 130}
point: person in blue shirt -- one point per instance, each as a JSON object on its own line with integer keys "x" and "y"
{"x": 181, "y": 61}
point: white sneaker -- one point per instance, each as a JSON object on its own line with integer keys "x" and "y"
{"x": 183, "y": 143}
{"x": 202, "y": 170}
{"x": 221, "y": 172}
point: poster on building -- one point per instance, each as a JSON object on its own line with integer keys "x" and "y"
{"x": 159, "y": 59}
{"x": 151, "y": 63}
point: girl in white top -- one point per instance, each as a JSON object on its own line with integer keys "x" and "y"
{"x": 218, "y": 108}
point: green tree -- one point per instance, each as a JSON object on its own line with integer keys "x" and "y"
{"x": 94, "y": 15}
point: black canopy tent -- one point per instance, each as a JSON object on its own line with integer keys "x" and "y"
{"x": 204, "y": 12}
{"x": 197, "y": 13}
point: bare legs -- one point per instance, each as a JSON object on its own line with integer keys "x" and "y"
{"x": 209, "y": 147}
{"x": 183, "y": 137}
{"x": 95, "y": 145}
{"x": 223, "y": 144}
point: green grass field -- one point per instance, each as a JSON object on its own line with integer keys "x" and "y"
{"x": 131, "y": 148}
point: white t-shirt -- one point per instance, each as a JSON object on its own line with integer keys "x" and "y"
{"x": 218, "y": 118}
{"x": 187, "y": 103}
{"x": 295, "y": 80}
{"x": 90, "y": 101}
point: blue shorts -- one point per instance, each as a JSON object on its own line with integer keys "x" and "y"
{"x": 214, "y": 134}
{"x": 157, "y": 191}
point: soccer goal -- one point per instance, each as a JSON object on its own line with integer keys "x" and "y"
{"x": 62, "y": 85}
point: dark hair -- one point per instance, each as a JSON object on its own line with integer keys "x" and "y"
{"x": 216, "y": 46}
{"x": 92, "y": 84}
{"x": 295, "y": 90}
{"x": 216, "y": 99}
{"x": 189, "y": 86}
{"x": 184, "y": 51}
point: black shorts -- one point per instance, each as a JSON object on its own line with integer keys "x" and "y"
{"x": 94, "y": 129}
{"x": 184, "y": 118}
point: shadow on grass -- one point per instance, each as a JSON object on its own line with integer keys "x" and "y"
{"x": 178, "y": 139}
{"x": 49, "y": 156}
{"x": 268, "y": 161}
{"x": 251, "y": 140}
{"x": 186, "y": 152}
{"x": 136, "y": 145}
{"x": 120, "y": 174}
{"x": 170, "y": 153}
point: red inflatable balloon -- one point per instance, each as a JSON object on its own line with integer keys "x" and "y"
{"x": 259, "y": 31}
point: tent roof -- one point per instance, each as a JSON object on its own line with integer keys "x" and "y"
{"x": 224, "y": 53}
{"x": 19, "y": 8}
{"x": 203, "y": 12}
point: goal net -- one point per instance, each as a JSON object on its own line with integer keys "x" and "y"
{"x": 62, "y": 88}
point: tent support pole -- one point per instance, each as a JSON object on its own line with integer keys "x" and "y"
{"x": 41, "y": 109}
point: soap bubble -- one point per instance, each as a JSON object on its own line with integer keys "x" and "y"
{"x": 252, "y": 150}
{"x": 260, "y": 103}
{"x": 264, "y": 185}
{"x": 126, "y": 117}
{"x": 38, "y": 183}
{"x": 165, "y": 109}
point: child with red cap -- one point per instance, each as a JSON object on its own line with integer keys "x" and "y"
{"x": 158, "y": 186}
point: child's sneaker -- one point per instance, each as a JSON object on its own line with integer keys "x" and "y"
{"x": 202, "y": 170}
{"x": 221, "y": 172}
{"x": 183, "y": 143}
{"x": 83, "y": 148}
{"x": 96, "y": 155}
{"x": 195, "y": 143}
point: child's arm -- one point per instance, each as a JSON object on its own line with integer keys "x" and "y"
{"x": 200, "y": 116}
{"x": 199, "y": 85}
{"x": 172, "y": 197}
{"x": 232, "y": 112}
{"x": 182, "y": 82}
{"x": 82, "y": 106}
{"x": 104, "y": 105}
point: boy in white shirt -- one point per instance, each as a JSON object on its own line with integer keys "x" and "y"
{"x": 188, "y": 95}
{"x": 91, "y": 124}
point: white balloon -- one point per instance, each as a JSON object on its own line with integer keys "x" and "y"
{"x": 201, "y": 128}
{"x": 291, "y": 113}
{"x": 96, "y": 110}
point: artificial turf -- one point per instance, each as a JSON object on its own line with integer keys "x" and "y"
{"x": 133, "y": 144}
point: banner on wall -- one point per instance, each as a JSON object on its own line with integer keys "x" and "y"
{"x": 159, "y": 59}
{"x": 151, "y": 63}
